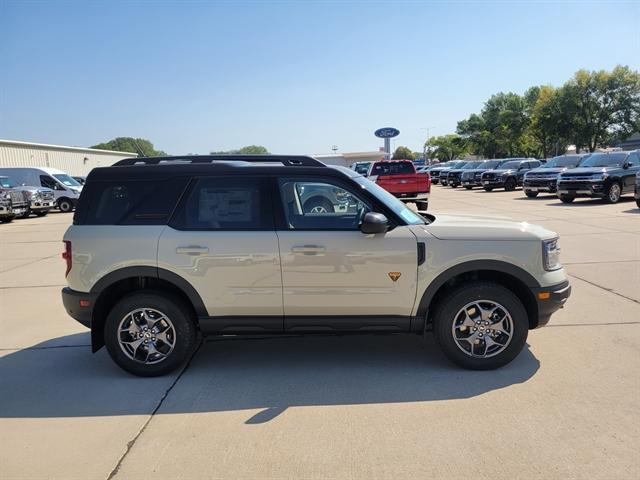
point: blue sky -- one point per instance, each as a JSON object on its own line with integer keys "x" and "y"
{"x": 297, "y": 77}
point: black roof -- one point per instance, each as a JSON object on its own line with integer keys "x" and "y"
{"x": 141, "y": 168}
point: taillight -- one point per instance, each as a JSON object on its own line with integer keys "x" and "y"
{"x": 66, "y": 255}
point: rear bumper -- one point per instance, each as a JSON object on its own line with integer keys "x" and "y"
{"x": 411, "y": 196}
{"x": 551, "y": 299}
{"x": 71, "y": 301}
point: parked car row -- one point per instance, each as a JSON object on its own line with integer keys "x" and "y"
{"x": 604, "y": 175}
{"x": 36, "y": 190}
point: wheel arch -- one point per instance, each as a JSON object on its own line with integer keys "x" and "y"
{"x": 114, "y": 285}
{"x": 506, "y": 274}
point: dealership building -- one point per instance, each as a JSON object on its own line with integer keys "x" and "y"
{"x": 71, "y": 160}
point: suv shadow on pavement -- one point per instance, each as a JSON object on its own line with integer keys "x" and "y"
{"x": 248, "y": 373}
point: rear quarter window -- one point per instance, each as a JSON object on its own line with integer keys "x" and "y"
{"x": 129, "y": 202}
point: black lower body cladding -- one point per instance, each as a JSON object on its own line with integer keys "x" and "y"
{"x": 551, "y": 299}
{"x": 79, "y": 305}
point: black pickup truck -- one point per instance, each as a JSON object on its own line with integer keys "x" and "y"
{"x": 606, "y": 175}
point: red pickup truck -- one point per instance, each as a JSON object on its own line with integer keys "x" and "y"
{"x": 399, "y": 177}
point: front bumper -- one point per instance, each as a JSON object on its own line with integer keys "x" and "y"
{"x": 71, "y": 301}
{"x": 470, "y": 182}
{"x": 550, "y": 299}
{"x": 540, "y": 185}
{"x": 493, "y": 182}
{"x": 582, "y": 189}
{"x": 38, "y": 204}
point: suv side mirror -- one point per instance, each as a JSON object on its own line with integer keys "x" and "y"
{"x": 626, "y": 165}
{"x": 374, "y": 223}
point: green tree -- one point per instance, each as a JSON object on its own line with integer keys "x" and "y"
{"x": 447, "y": 147}
{"x": 600, "y": 106}
{"x": 248, "y": 150}
{"x": 133, "y": 145}
{"x": 403, "y": 153}
{"x": 546, "y": 128}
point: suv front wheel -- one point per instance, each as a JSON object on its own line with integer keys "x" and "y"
{"x": 481, "y": 325}
{"x": 149, "y": 333}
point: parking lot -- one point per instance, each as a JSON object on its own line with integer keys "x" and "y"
{"x": 365, "y": 406}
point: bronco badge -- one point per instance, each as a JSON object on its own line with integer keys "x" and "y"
{"x": 394, "y": 276}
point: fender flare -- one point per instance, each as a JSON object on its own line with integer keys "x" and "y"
{"x": 154, "y": 272}
{"x": 473, "y": 266}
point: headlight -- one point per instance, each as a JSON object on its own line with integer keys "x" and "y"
{"x": 551, "y": 255}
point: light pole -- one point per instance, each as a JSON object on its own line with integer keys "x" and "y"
{"x": 425, "y": 148}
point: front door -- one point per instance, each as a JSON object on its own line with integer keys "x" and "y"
{"x": 222, "y": 241}
{"x": 335, "y": 277}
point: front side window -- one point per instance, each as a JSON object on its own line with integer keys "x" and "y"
{"x": 320, "y": 205}
{"x": 226, "y": 204}
{"x": 633, "y": 160}
{"x": 604, "y": 160}
{"x": 47, "y": 181}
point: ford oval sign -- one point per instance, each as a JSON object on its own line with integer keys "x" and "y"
{"x": 387, "y": 132}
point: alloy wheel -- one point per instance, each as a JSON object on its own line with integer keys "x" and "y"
{"x": 146, "y": 335}
{"x": 482, "y": 328}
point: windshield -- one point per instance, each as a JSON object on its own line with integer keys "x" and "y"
{"x": 6, "y": 182}
{"x": 67, "y": 180}
{"x": 470, "y": 165}
{"x": 509, "y": 165}
{"x": 563, "y": 161}
{"x": 605, "y": 160}
{"x": 390, "y": 201}
{"x": 489, "y": 164}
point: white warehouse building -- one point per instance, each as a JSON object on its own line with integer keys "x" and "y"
{"x": 71, "y": 160}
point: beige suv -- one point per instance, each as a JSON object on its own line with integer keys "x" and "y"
{"x": 162, "y": 249}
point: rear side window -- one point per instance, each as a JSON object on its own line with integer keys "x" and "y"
{"x": 392, "y": 168}
{"x": 226, "y": 203}
{"x": 131, "y": 202}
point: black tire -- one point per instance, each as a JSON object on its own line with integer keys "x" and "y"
{"x": 566, "y": 198}
{"x": 614, "y": 193}
{"x": 26, "y": 213}
{"x": 65, "y": 205}
{"x": 41, "y": 213}
{"x": 6, "y": 219}
{"x": 510, "y": 185}
{"x": 444, "y": 318}
{"x": 318, "y": 203}
{"x": 454, "y": 185}
{"x": 638, "y": 202}
{"x": 423, "y": 206}
{"x": 173, "y": 308}
{"x": 487, "y": 189}
{"x": 468, "y": 187}
{"x": 531, "y": 194}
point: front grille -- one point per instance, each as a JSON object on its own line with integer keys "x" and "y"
{"x": 542, "y": 176}
{"x": 489, "y": 176}
{"x": 45, "y": 195}
{"x": 478, "y": 176}
{"x": 576, "y": 178}
{"x": 16, "y": 197}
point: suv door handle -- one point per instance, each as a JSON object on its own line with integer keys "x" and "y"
{"x": 308, "y": 249}
{"x": 192, "y": 250}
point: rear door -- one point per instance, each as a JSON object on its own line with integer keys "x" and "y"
{"x": 633, "y": 160}
{"x": 222, "y": 241}
{"x": 335, "y": 277}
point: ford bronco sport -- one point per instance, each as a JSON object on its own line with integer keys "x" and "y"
{"x": 164, "y": 248}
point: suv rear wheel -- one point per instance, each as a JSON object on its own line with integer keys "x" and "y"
{"x": 149, "y": 333}
{"x": 481, "y": 325}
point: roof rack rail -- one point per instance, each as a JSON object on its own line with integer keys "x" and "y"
{"x": 286, "y": 160}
